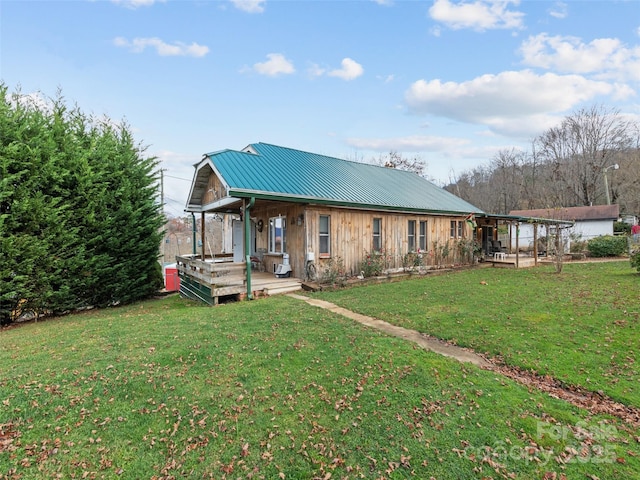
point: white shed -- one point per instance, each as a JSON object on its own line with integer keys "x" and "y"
{"x": 590, "y": 222}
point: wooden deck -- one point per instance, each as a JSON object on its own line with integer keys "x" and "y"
{"x": 509, "y": 260}
{"x": 210, "y": 280}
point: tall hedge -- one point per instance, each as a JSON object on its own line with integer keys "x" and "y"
{"x": 79, "y": 222}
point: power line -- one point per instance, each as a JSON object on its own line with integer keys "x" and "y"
{"x": 178, "y": 178}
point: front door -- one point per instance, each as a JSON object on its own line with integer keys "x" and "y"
{"x": 238, "y": 240}
{"x": 487, "y": 236}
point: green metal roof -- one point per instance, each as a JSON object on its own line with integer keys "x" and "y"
{"x": 268, "y": 171}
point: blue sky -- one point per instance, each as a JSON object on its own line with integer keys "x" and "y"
{"x": 447, "y": 81}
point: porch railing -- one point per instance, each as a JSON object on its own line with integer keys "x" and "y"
{"x": 208, "y": 280}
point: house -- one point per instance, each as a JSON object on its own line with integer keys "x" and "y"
{"x": 588, "y": 222}
{"x": 298, "y": 211}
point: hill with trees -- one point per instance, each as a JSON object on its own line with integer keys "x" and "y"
{"x": 572, "y": 164}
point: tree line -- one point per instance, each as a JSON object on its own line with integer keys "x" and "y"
{"x": 80, "y": 225}
{"x": 591, "y": 158}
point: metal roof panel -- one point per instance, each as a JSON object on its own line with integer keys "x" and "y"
{"x": 297, "y": 174}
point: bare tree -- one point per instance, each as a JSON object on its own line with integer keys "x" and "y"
{"x": 395, "y": 160}
{"x": 580, "y": 148}
{"x": 507, "y": 178}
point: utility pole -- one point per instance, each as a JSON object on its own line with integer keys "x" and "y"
{"x": 162, "y": 248}
{"x": 615, "y": 166}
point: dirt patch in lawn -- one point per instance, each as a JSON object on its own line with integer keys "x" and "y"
{"x": 594, "y": 402}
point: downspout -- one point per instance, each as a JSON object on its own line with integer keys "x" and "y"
{"x": 247, "y": 243}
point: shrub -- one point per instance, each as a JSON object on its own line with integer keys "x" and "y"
{"x": 411, "y": 260}
{"x": 440, "y": 252}
{"x": 607, "y": 246}
{"x": 578, "y": 245}
{"x": 468, "y": 249}
{"x": 373, "y": 264}
{"x": 623, "y": 228}
{"x": 635, "y": 259}
{"x": 333, "y": 272}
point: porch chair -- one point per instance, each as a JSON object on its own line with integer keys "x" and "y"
{"x": 496, "y": 247}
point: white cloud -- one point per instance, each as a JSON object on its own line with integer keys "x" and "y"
{"x": 138, "y": 45}
{"x": 478, "y": 15}
{"x": 386, "y": 78}
{"x": 350, "y": 70}
{"x": 508, "y": 102}
{"x": 276, "y": 65}
{"x": 249, "y": 6}
{"x": 316, "y": 70}
{"x": 605, "y": 56}
{"x": 412, "y": 143}
{"x": 136, "y": 3}
{"x": 559, "y": 10}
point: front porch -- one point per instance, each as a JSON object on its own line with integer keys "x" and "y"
{"x": 210, "y": 279}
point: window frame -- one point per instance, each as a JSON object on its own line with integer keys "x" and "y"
{"x": 422, "y": 236}
{"x": 377, "y": 235}
{"x": 411, "y": 235}
{"x": 273, "y": 221}
{"x": 324, "y": 235}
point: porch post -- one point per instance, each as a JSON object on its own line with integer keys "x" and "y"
{"x": 247, "y": 241}
{"x": 193, "y": 230}
{"x": 202, "y": 237}
{"x": 517, "y": 245}
{"x": 535, "y": 244}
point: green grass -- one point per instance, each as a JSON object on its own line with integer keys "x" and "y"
{"x": 275, "y": 388}
{"x": 581, "y": 327}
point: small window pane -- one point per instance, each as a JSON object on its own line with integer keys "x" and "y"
{"x": 412, "y": 236}
{"x": 324, "y": 230}
{"x": 377, "y": 234}
{"x": 277, "y": 235}
{"x": 422, "y": 244}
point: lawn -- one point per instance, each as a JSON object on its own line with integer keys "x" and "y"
{"x": 275, "y": 388}
{"x": 581, "y": 327}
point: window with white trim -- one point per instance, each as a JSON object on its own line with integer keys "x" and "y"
{"x": 411, "y": 237}
{"x": 377, "y": 235}
{"x": 325, "y": 235}
{"x": 422, "y": 239}
{"x": 277, "y": 235}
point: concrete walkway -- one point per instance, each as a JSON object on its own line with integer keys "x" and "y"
{"x": 426, "y": 342}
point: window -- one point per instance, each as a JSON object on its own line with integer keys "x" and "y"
{"x": 411, "y": 238}
{"x": 422, "y": 239}
{"x": 325, "y": 239}
{"x": 377, "y": 234}
{"x": 277, "y": 235}
{"x": 457, "y": 229}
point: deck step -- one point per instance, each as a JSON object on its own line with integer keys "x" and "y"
{"x": 283, "y": 288}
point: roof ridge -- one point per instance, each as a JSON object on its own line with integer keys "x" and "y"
{"x": 355, "y": 162}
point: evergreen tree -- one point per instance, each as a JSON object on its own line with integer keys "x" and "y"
{"x": 79, "y": 221}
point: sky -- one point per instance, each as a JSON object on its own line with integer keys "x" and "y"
{"x": 449, "y": 82}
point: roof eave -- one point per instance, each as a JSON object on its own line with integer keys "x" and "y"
{"x": 284, "y": 197}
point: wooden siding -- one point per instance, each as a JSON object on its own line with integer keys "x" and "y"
{"x": 215, "y": 190}
{"x": 294, "y": 237}
{"x": 351, "y": 234}
{"x": 351, "y": 237}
